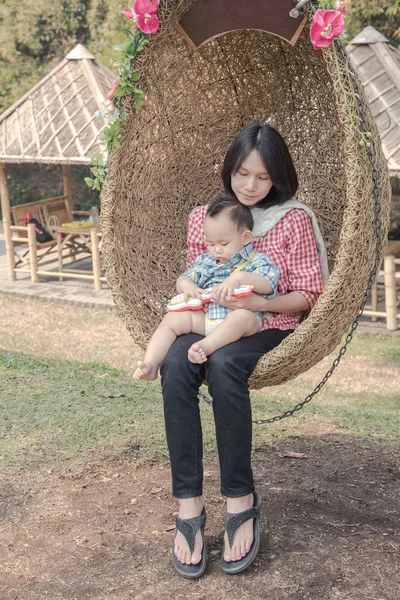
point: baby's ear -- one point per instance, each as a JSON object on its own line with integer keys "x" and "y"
{"x": 247, "y": 236}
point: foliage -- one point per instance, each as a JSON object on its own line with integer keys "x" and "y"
{"x": 83, "y": 198}
{"x": 126, "y": 86}
{"x": 99, "y": 171}
{"x": 34, "y": 38}
{"x": 384, "y": 15}
{"x": 32, "y": 181}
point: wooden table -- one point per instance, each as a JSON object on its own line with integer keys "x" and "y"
{"x": 78, "y": 241}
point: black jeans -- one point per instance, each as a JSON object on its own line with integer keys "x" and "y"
{"x": 227, "y": 371}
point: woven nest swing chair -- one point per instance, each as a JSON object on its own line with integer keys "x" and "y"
{"x": 204, "y": 81}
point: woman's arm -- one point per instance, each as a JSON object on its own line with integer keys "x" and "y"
{"x": 224, "y": 290}
{"x": 196, "y": 244}
{"x": 303, "y": 264}
{"x": 261, "y": 284}
{"x": 293, "y": 302}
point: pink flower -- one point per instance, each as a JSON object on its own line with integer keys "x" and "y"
{"x": 114, "y": 86}
{"x": 327, "y": 25}
{"x": 145, "y": 10}
{"x": 146, "y": 6}
{"x": 340, "y": 6}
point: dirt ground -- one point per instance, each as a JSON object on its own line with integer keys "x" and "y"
{"x": 103, "y": 530}
{"x": 330, "y": 522}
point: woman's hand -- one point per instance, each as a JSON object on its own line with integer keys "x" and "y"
{"x": 253, "y": 302}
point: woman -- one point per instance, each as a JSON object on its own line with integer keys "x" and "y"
{"x": 259, "y": 171}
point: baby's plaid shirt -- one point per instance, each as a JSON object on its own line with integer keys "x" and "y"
{"x": 208, "y": 272}
{"x": 290, "y": 245}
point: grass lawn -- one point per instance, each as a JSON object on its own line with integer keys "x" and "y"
{"x": 53, "y": 410}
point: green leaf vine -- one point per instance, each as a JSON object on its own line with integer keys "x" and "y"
{"x": 127, "y": 85}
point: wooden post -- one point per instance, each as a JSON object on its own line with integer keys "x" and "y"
{"x": 59, "y": 253}
{"x": 5, "y": 209}
{"x": 66, "y": 169}
{"x": 95, "y": 258}
{"x": 33, "y": 262}
{"x": 390, "y": 292}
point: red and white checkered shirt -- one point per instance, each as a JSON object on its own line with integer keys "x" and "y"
{"x": 290, "y": 245}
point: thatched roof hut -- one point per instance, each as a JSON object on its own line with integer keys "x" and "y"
{"x": 55, "y": 121}
{"x": 378, "y": 66}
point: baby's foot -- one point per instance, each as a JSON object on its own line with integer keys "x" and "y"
{"x": 146, "y": 371}
{"x": 196, "y": 354}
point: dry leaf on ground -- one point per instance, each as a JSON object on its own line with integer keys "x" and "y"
{"x": 293, "y": 455}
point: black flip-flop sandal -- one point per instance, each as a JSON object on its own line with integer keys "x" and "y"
{"x": 232, "y": 523}
{"x": 189, "y": 528}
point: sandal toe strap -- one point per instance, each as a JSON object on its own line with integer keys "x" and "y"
{"x": 189, "y": 528}
{"x": 234, "y": 520}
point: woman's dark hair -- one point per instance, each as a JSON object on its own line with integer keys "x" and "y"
{"x": 239, "y": 214}
{"x": 275, "y": 155}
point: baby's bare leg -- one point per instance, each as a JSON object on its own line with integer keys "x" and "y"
{"x": 237, "y": 324}
{"x": 172, "y": 325}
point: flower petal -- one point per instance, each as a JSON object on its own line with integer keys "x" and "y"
{"x": 146, "y": 6}
{"x": 330, "y": 15}
{"x": 148, "y": 24}
{"x": 320, "y": 17}
{"x": 323, "y": 43}
{"x": 127, "y": 13}
{"x": 317, "y": 39}
{"x": 337, "y": 24}
{"x": 327, "y": 17}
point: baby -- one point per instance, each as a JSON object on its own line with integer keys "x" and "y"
{"x": 229, "y": 263}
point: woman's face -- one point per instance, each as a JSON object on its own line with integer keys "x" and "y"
{"x": 252, "y": 182}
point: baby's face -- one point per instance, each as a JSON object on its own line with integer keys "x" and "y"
{"x": 223, "y": 238}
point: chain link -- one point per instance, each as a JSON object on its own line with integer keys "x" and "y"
{"x": 377, "y": 200}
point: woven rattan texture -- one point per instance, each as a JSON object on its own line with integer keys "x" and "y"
{"x": 170, "y": 160}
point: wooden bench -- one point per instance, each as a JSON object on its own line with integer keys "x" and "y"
{"x": 51, "y": 213}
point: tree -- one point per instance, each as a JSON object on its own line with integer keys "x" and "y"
{"x": 36, "y": 36}
{"x": 384, "y": 15}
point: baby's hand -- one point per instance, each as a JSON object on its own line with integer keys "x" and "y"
{"x": 192, "y": 291}
{"x": 224, "y": 290}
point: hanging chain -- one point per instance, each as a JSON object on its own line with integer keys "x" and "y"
{"x": 377, "y": 205}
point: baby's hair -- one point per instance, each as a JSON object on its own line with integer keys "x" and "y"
{"x": 239, "y": 214}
